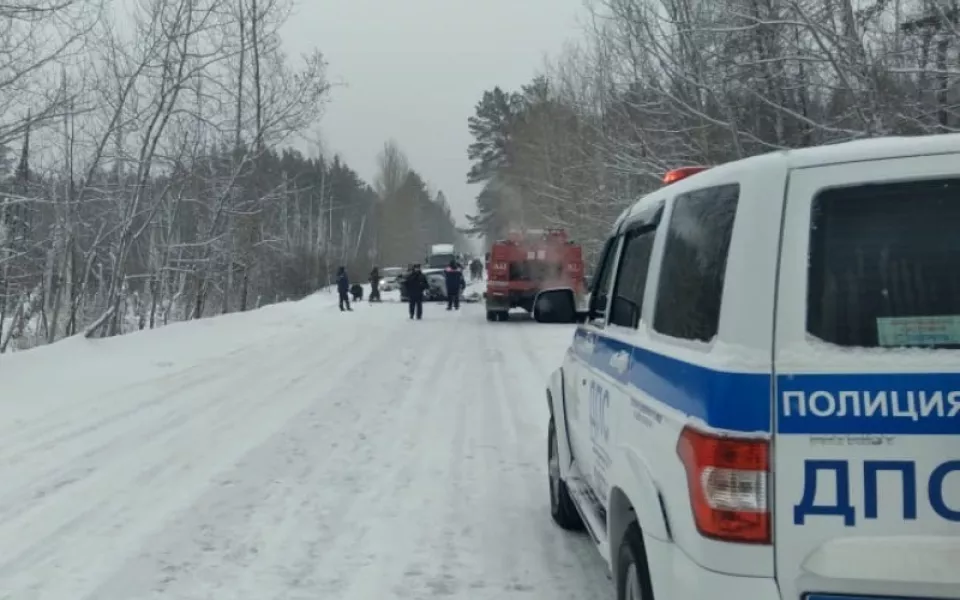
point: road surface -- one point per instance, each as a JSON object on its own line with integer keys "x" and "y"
{"x": 294, "y": 452}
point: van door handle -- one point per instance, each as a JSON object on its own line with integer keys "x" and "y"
{"x": 620, "y": 361}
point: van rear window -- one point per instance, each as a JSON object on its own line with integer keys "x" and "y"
{"x": 884, "y": 265}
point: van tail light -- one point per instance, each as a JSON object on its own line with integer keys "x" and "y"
{"x": 727, "y": 478}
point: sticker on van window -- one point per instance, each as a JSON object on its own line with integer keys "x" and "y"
{"x": 918, "y": 331}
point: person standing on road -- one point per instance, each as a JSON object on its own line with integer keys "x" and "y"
{"x": 476, "y": 269}
{"x": 416, "y": 284}
{"x": 453, "y": 275}
{"x": 375, "y": 285}
{"x": 343, "y": 289}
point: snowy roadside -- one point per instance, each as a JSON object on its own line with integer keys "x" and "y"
{"x": 34, "y": 338}
{"x": 79, "y": 368}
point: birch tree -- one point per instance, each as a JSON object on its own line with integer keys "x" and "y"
{"x": 658, "y": 84}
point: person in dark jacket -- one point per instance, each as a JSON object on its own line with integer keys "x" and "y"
{"x": 356, "y": 290}
{"x": 343, "y": 288}
{"x": 415, "y": 285}
{"x": 375, "y": 285}
{"x": 453, "y": 275}
{"x": 476, "y": 269}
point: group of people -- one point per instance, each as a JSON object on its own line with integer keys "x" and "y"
{"x": 415, "y": 287}
{"x": 345, "y": 290}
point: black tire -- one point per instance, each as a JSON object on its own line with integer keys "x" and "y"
{"x": 633, "y": 573}
{"x": 503, "y": 316}
{"x": 562, "y": 509}
{"x": 491, "y": 316}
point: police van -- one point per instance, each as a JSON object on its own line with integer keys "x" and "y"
{"x": 762, "y": 399}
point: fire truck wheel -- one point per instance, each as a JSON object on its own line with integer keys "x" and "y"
{"x": 504, "y": 316}
{"x": 491, "y": 315}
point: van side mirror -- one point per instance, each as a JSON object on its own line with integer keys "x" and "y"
{"x": 557, "y": 305}
{"x": 596, "y": 306}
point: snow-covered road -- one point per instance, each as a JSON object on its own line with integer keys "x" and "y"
{"x": 294, "y": 452}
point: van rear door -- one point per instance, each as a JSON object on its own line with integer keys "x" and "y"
{"x": 867, "y": 361}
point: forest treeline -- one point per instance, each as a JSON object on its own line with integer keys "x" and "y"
{"x": 659, "y": 84}
{"x": 147, "y": 175}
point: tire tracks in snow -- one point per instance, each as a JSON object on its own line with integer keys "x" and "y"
{"x": 288, "y": 503}
{"x": 164, "y": 463}
{"x": 385, "y": 525}
{"x": 376, "y": 470}
{"x": 409, "y": 549}
{"x": 549, "y": 561}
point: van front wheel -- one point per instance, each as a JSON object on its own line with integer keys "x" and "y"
{"x": 633, "y": 575}
{"x": 562, "y": 510}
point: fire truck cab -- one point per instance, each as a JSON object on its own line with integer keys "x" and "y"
{"x": 525, "y": 263}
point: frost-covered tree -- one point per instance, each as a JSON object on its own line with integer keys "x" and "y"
{"x": 659, "y": 84}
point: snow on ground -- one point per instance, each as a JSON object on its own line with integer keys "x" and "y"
{"x": 292, "y": 452}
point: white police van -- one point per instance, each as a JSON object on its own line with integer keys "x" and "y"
{"x": 763, "y": 400}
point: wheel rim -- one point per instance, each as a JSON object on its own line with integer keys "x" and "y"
{"x": 633, "y": 584}
{"x": 553, "y": 468}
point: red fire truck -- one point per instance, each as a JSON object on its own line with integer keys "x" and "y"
{"x": 527, "y": 262}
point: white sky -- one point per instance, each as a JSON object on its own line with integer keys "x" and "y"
{"x": 413, "y": 70}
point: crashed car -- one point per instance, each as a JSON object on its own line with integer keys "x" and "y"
{"x": 390, "y": 278}
{"x": 436, "y": 285}
{"x": 437, "y": 288}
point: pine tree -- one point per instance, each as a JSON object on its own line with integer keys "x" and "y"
{"x": 496, "y": 118}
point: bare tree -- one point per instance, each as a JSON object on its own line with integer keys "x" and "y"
{"x": 35, "y": 37}
{"x": 658, "y": 84}
{"x": 140, "y": 209}
{"x": 392, "y": 170}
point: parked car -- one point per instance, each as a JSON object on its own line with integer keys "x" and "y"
{"x": 390, "y": 278}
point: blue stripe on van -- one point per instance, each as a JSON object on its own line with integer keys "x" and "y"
{"x": 869, "y": 404}
{"x": 721, "y": 399}
{"x": 833, "y": 404}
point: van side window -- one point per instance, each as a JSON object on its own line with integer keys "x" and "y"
{"x": 882, "y": 269}
{"x": 632, "y": 278}
{"x": 601, "y": 283}
{"x": 694, "y": 266}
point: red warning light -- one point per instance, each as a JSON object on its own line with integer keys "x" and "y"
{"x": 682, "y": 173}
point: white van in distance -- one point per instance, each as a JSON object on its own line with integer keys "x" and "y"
{"x": 762, "y": 401}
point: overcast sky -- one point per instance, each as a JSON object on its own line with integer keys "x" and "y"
{"x": 413, "y": 70}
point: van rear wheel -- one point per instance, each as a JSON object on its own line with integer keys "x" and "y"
{"x": 633, "y": 574}
{"x": 562, "y": 509}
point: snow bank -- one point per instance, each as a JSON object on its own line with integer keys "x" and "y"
{"x": 81, "y": 366}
